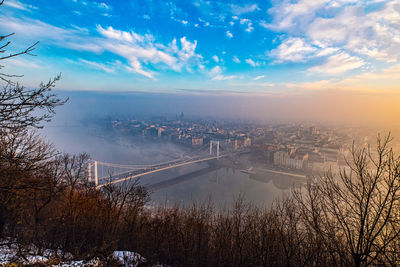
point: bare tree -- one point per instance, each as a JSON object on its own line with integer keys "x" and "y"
{"x": 23, "y": 149}
{"x": 18, "y": 105}
{"x": 358, "y": 210}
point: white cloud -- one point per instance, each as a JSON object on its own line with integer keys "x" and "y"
{"x": 31, "y": 29}
{"x": 224, "y": 78}
{"x": 142, "y": 52}
{"x": 249, "y": 28}
{"x": 20, "y": 62}
{"x": 264, "y": 24}
{"x": 258, "y": 84}
{"x": 103, "y": 5}
{"x": 184, "y": 22}
{"x": 235, "y": 59}
{"x": 216, "y": 74}
{"x": 258, "y": 77}
{"x": 216, "y": 59}
{"x": 187, "y": 51}
{"x": 18, "y": 5}
{"x": 205, "y": 23}
{"x": 215, "y": 71}
{"x": 388, "y": 79}
{"x": 136, "y": 67}
{"x": 252, "y": 63}
{"x": 288, "y": 14}
{"x": 375, "y": 34}
{"x": 248, "y": 23}
{"x": 81, "y": 29}
{"x": 83, "y": 46}
{"x": 326, "y": 30}
{"x": 236, "y": 9}
{"x": 139, "y": 50}
{"x": 96, "y": 65}
{"x": 326, "y": 51}
{"x": 96, "y": 6}
{"x": 243, "y": 21}
{"x": 136, "y": 55}
{"x": 229, "y": 34}
{"x": 293, "y": 49}
{"x": 350, "y": 27}
{"x": 380, "y": 81}
{"x": 122, "y": 36}
{"x": 338, "y": 64}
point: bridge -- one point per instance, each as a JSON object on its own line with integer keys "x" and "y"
{"x": 109, "y": 173}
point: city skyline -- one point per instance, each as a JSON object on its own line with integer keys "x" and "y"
{"x": 274, "y": 48}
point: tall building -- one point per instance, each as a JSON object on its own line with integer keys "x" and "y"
{"x": 247, "y": 142}
{"x": 314, "y": 130}
{"x": 160, "y": 130}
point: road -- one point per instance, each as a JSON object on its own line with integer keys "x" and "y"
{"x": 284, "y": 173}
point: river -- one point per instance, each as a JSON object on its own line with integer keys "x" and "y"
{"x": 199, "y": 182}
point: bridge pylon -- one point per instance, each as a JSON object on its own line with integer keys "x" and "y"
{"x": 90, "y": 167}
{"x": 89, "y": 172}
{"x": 216, "y": 143}
{"x": 96, "y": 178}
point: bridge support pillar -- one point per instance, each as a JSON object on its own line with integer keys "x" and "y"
{"x": 216, "y": 143}
{"x": 90, "y": 172}
{"x": 217, "y": 149}
{"x": 96, "y": 178}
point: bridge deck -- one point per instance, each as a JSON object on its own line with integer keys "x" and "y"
{"x": 158, "y": 170}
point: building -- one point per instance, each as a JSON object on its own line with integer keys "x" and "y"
{"x": 197, "y": 141}
{"x": 280, "y": 157}
{"x": 313, "y": 130}
{"x": 160, "y": 131}
{"x": 247, "y": 142}
{"x": 283, "y": 159}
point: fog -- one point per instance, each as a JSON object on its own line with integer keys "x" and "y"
{"x": 75, "y": 126}
{"x": 112, "y": 147}
{"x": 77, "y": 120}
{"x": 351, "y": 107}
{"x": 81, "y": 126}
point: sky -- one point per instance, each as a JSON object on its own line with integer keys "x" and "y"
{"x": 257, "y": 47}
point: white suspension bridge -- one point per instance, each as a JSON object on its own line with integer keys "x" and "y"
{"x": 103, "y": 173}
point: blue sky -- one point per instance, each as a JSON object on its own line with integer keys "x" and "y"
{"x": 267, "y": 47}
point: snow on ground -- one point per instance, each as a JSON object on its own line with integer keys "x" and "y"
{"x": 9, "y": 254}
{"x": 81, "y": 263}
{"x": 128, "y": 258}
